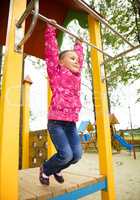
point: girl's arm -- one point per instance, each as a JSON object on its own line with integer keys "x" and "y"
{"x": 78, "y": 48}
{"x": 51, "y": 50}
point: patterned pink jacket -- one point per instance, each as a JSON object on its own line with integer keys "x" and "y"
{"x": 65, "y": 85}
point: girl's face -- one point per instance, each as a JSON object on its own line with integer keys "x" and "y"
{"x": 70, "y": 60}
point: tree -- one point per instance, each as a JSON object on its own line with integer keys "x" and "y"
{"x": 123, "y": 16}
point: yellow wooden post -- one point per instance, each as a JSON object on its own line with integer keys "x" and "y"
{"x": 26, "y": 122}
{"x": 0, "y": 103}
{"x": 51, "y": 148}
{"x": 10, "y": 109}
{"x": 102, "y": 115}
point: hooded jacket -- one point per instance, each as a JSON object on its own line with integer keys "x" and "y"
{"x": 65, "y": 85}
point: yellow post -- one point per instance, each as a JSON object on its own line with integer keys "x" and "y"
{"x": 26, "y": 122}
{"x": 10, "y": 109}
{"x": 51, "y": 148}
{"x": 0, "y": 105}
{"x": 102, "y": 115}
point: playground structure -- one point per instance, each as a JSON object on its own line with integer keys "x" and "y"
{"x": 12, "y": 20}
{"x": 118, "y": 139}
{"x": 132, "y": 136}
{"x": 87, "y": 134}
{"x": 38, "y": 144}
{"x": 38, "y": 147}
{"x": 115, "y": 143}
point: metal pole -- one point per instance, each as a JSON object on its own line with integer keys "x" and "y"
{"x": 1, "y": 55}
{"x": 132, "y": 135}
{"x": 130, "y": 118}
{"x": 101, "y": 19}
{"x": 34, "y": 21}
{"x": 121, "y": 54}
{"x": 26, "y": 13}
{"x": 45, "y": 19}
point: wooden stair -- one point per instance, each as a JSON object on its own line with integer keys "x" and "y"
{"x": 74, "y": 187}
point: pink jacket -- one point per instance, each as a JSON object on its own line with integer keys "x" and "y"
{"x": 65, "y": 85}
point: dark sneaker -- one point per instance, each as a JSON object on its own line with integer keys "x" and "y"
{"x": 58, "y": 177}
{"x": 43, "y": 178}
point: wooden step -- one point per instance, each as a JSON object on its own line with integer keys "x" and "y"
{"x": 75, "y": 184}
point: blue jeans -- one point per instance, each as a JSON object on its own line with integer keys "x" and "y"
{"x": 66, "y": 140}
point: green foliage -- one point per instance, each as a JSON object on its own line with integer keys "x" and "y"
{"x": 124, "y": 17}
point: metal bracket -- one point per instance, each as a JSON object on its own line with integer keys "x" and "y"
{"x": 20, "y": 38}
{"x": 19, "y": 34}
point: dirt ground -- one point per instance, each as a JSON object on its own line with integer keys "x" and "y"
{"x": 126, "y": 172}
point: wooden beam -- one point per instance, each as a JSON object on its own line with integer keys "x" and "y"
{"x": 51, "y": 148}
{"x": 10, "y": 109}
{"x": 102, "y": 115}
{"x": 26, "y": 122}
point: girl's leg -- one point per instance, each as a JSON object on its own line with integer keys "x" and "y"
{"x": 64, "y": 153}
{"x": 74, "y": 142}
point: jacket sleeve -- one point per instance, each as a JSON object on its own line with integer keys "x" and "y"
{"x": 51, "y": 50}
{"x": 78, "y": 48}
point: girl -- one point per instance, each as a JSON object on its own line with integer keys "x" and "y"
{"x": 64, "y": 72}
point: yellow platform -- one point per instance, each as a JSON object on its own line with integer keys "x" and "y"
{"x": 75, "y": 185}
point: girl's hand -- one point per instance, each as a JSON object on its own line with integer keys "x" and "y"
{"x": 79, "y": 40}
{"x": 52, "y": 21}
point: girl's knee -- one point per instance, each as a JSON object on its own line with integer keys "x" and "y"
{"x": 67, "y": 157}
{"x": 77, "y": 156}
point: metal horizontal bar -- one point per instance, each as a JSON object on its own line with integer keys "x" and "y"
{"x": 31, "y": 28}
{"x": 25, "y": 14}
{"x": 121, "y": 54}
{"x": 101, "y": 19}
{"x": 45, "y": 19}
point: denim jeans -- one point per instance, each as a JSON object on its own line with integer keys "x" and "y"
{"x": 66, "y": 140}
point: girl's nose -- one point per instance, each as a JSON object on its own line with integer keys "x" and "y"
{"x": 76, "y": 61}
